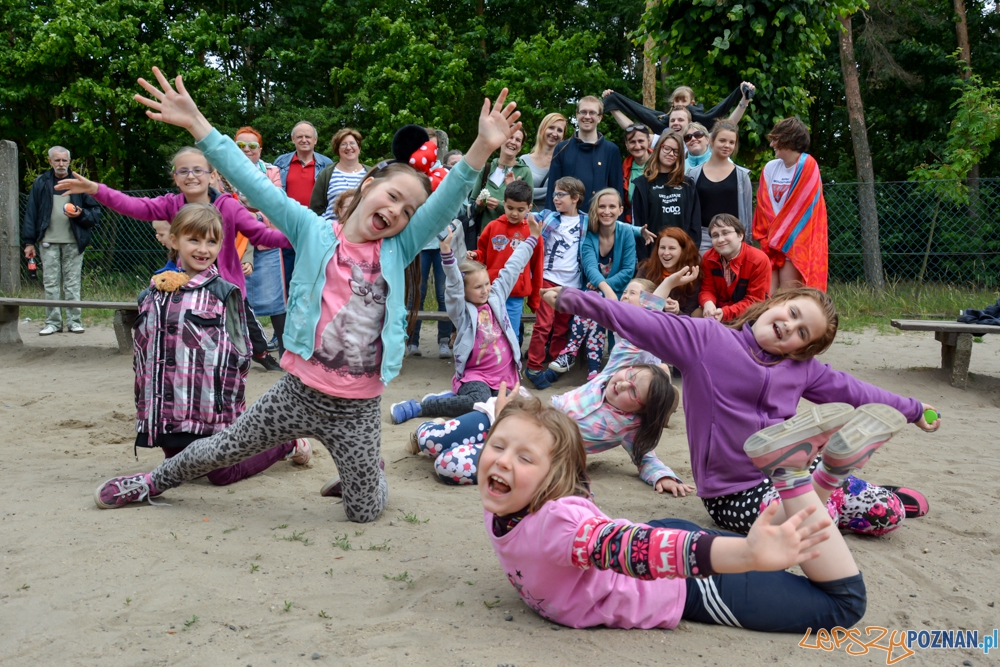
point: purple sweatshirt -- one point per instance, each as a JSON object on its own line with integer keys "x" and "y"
{"x": 235, "y": 218}
{"x": 728, "y": 395}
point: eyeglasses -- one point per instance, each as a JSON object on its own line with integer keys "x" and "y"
{"x": 588, "y": 112}
{"x": 723, "y": 233}
{"x": 636, "y": 127}
{"x": 349, "y": 144}
{"x": 697, "y": 134}
{"x": 669, "y": 151}
{"x": 631, "y": 375}
{"x": 197, "y": 172}
{"x": 252, "y": 145}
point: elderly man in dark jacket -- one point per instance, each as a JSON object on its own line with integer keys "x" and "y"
{"x": 62, "y": 225}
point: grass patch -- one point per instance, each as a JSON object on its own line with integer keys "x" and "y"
{"x": 861, "y": 307}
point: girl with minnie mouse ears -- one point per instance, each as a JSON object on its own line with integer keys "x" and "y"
{"x": 345, "y": 331}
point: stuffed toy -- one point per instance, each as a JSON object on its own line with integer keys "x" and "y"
{"x": 170, "y": 281}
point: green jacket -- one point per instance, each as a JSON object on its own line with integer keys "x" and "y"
{"x": 521, "y": 171}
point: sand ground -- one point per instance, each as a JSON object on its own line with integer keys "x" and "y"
{"x": 256, "y": 573}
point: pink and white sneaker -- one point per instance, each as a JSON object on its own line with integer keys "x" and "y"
{"x": 870, "y": 427}
{"x": 795, "y": 443}
{"x": 302, "y": 453}
{"x": 120, "y": 491}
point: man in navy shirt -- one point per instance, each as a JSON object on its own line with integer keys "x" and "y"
{"x": 587, "y": 155}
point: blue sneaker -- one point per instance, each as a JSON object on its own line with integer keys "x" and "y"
{"x": 541, "y": 379}
{"x": 404, "y": 411}
{"x": 440, "y": 394}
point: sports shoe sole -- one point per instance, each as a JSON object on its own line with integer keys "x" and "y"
{"x": 914, "y": 503}
{"x": 411, "y": 445}
{"x": 440, "y": 394}
{"x": 794, "y": 443}
{"x": 871, "y": 426}
{"x": 558, "y": 368}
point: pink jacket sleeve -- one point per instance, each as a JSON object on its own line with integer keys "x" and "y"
{"x": 163, "y": 207}
{"x": 249, "y": 226}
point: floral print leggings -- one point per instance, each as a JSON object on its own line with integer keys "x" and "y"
{"x": 856, "y": 506}
{"x": 455, "y": 446}
{"x": 583, "y": 331}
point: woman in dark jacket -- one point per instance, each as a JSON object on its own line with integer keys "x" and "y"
{"x": 663, "y": 196}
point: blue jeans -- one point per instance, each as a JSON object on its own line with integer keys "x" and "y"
{"x": 515, "y": 306}
{"x": 770, "y": 601}
{"x": 288, "y": 262}
{"x": 429, "y": 258}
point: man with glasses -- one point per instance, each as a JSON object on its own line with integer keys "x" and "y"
{"x": 734, "y": 274}
{"x": 62, "y": 224}
{"x": 299, "y": 171}
{"x": 587, "y": 156}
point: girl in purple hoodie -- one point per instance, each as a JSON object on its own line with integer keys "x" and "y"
{"x": 749, "y": 376}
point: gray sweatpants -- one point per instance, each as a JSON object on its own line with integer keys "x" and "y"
{"x": 350, "y": 429}
{"x": 62, "y": 266}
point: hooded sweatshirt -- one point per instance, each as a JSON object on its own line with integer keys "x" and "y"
{"x": 497, "y": 243}
{"x": 732, "y": 387}
{"x": 598, "y": 165}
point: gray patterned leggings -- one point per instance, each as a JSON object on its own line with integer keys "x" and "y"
{"x": 468, "y": 395}
{"x": 350, "y": 429}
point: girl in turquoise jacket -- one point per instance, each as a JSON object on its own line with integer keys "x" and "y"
{"x": 345, "y": 330}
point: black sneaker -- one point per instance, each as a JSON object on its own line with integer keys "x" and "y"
{"x": 268, "y": 362}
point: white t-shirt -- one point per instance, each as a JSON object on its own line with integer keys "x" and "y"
{"x": 779, "y": 182}
{"x": 562, "y": 253}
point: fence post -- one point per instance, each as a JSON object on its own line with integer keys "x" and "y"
{"x": 10, "y": 238}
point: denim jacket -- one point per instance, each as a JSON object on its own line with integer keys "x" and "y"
{"x": 282, "y": 162}
{"x": 315, "y": 242}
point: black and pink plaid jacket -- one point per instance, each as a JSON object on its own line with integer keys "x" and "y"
{"x": 191, "y": 358}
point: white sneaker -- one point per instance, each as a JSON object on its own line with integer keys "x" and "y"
{"x": 444, "y": 351}
{"x": 49, "y": 329}
{"x": 76, "y": 328}
{"x": 413, "y": 351}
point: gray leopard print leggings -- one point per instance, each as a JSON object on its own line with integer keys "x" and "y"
{"x": 350, "y": 429}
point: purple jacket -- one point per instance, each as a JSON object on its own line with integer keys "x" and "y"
{"x": 728, "y": 395}
{"x": 235, "y": 218}
{"x": 191, "y": 357}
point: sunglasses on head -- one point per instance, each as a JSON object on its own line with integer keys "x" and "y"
{"x": 697, "y": 134}
{"x": 636, "y": 127}
{"x": 252, "y": 145}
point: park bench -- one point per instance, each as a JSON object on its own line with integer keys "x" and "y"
{"x": 125, "y": 314}
{"x": 956, "y": 344}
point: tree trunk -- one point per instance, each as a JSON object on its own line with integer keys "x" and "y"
{"x": 648, "y": 69}
{"x": 972, "y": 180}
{"x": 868, "y": 213}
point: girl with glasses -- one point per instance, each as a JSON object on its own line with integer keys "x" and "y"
{"x": 664, "y": 196}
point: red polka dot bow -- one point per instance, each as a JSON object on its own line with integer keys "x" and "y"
{"x": 423, "y": 159}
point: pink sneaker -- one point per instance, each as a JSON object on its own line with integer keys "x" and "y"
{"x": 795, "y": 443}
{"x": 302, "y": 453}
{"x": 870, "y": 427}
{"x": 120, "y": 491}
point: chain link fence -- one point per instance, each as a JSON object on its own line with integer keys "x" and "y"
{"x": 922, "y": 238}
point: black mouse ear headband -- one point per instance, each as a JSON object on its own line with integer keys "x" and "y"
{"x": 407, "y": 141}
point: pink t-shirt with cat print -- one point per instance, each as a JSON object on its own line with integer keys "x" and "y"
{"x": 347, "y": 361}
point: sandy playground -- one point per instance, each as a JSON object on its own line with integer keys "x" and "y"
{"x": 267, "y": 572}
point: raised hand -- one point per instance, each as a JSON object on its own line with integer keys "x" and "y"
{"x": 790, "y": 543}
{"x": 497, "y": 124}
{"x": 76, "y": 185}
{"x": 445, "y": 243}
{"x": 534, "y": 225}
{"x": 503, "y": 396}
{"x": 174, "y": 107}
{"x": 671, "y": 306}
{"x": 647, "y": 235}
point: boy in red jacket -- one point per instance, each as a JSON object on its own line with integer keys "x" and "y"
{"x": 734, "y": 274}
{"x": 497, "y": 243}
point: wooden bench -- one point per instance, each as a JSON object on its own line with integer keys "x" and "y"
{"x": 125, "y": 314}
{"x": 437, "y": 316}
{"x": 956, "y": 344}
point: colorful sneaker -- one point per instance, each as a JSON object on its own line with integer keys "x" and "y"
{"x": 795, "y": 443}
{"x": 914, "y": 502}
{"x": 562, "y": 363}
{"x": 440, "y": 394}
{"x": 301, "y": 453}
{"x": 541, "y": 379}
{"x": 870, "y": 427}
{"x": 404, "y": 411}
{"x": 592, "y": 374}
{"x": 334, "y": 489}
{"x": 120, "y": 491}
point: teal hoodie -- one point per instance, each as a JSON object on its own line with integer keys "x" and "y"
{"x": 314, "y": 242}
